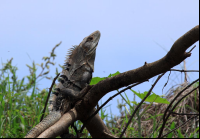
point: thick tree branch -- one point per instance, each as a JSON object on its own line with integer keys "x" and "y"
{"x": 84, "y": 108}
{"x": 97, "y": 128}
{"x": 61, "y": 126}
{"x": 129, "y": 87}
{"x": 174, "y": 57}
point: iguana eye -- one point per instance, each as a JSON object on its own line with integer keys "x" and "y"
{"x": 90, "y": 39}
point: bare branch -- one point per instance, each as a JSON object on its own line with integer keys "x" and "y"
{"x": 175, "y": 56}
{"x": 166, "y": 82}
{"x": 83, "y": 109}
{"x": 184, "y": 70}
{"x": 192, "y": 49}
{"x": 183, "y": 113}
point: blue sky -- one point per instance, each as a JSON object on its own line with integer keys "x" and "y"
{"x": 132, "y": 32}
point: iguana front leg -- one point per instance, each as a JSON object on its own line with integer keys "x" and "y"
{"x": 73, "y": 92}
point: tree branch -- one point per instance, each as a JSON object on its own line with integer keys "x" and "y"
{"x": 184, "y": 70}
{"x": 84, "y": 108}
{"x": 175, "y": 56}
{"x": 183, "y": 113}
{"x": 61, "y": 126}
{"x": 129, "y": 87}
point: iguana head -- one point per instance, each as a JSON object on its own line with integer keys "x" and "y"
{"x": 84, "y": 53}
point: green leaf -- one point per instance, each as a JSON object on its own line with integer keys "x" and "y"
{"x": 47, "y": 66}
{"x": 192, "y": 134}
{"x": 95, "y": 80}
{"x": 52, "y": 54}
{"x": 29, "y": 66}
{"x": 46, "y": 73}
{"x": 152, "y": 98}
{"x": 151, "y": 117}
{"x": 116, "y": 73}
{"x": 180, "y": 135}
{"x": 171, "y": 127}
{"x": 134, "y": 102}
{"x": 56, "y": 71}
{"x": 45, "y": 58}
{"x": 38, "y": 65}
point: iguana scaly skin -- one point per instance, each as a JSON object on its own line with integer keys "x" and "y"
{"x": 75, "y": 76}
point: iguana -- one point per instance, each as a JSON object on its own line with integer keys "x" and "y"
{"x": 76, "y": 75}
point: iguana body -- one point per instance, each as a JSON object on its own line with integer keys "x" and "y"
{"x": 76, "y": 75}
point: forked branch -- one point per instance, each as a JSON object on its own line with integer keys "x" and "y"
{"x": 84, "y": 108}
{"x": 174, "y": 57}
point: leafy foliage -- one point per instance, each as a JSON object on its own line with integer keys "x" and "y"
{"x": 152, "y": 98}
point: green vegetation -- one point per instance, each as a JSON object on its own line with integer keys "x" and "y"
{"x": 22, "y": 104}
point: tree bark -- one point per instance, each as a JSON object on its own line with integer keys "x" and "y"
{"x": 84, "y": 108}
{"x": 96, "y": 127}
{"x": 61, "y": 126}
{"x": 174, "y": 57}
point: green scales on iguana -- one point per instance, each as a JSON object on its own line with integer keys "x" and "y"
{"x": 76, "y": 75}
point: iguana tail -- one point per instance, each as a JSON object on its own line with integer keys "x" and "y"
{"x": 48, "y": 121}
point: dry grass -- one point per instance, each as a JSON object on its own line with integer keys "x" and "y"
{"x": 189, "y": 105}
{"x": 153, "y": 116}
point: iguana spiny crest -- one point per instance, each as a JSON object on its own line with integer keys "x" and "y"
{"x": 79, "y": 66}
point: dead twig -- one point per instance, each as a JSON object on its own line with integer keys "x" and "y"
{"x": 166, "y": 82}
{"x": 48, "y": 97}
{"x": 192, "y": 49}
{"x": 184, "y": 113}
{"x": 184, "y": 70}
